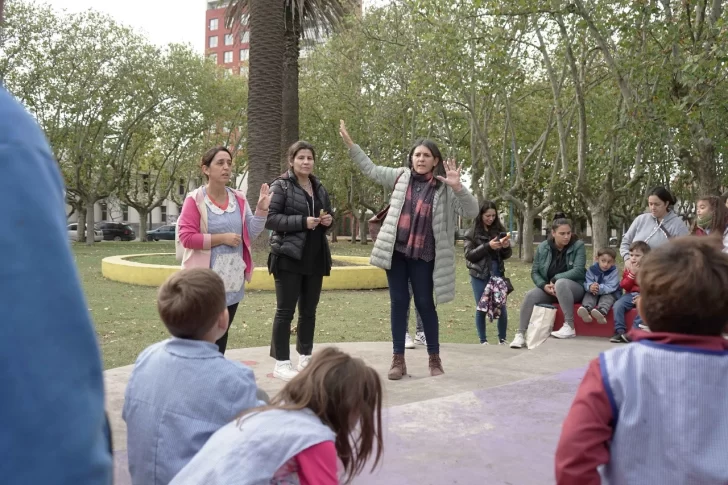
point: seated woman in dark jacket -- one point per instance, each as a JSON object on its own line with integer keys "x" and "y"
{"x": 558, "y": 271}
{"x": 486, "y": 249}
{"x": 299, "y": 216}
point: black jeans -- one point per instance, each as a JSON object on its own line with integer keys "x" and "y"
{"x": 419, "y": 273}
{"x": 292, "y": 289}
{"x": 222, "y": 341}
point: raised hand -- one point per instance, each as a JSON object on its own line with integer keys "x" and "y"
{"x": 264, "y": 197}
{"x": 452, "y": 175}
{"x": 345, "y": 134}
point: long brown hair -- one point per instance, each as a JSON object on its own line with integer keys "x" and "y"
{"x": 719, "y": 212}
{"x": 346, "y": 394}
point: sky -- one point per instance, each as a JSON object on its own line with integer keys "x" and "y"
{"x": 162, "y": 21}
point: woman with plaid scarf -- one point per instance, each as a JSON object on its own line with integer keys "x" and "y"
{"x": 416, "y": 242}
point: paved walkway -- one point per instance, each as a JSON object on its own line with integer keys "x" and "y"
{"x": 494, "y": 417}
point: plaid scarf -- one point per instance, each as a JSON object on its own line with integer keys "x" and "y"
{"x": 415, "y": 220}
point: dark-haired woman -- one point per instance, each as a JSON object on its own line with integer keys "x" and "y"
{"x": 299, "y": 216}
{"x": 486, "y": 248}
{"x": 216, "y": 227}
{"x": 559, "y": 272}
{"x": 416, "y": 242}
{"x": 655, "y": 227}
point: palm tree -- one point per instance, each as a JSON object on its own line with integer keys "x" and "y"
{"x": 265, "y": 91}
{"x": 307, "y": 20}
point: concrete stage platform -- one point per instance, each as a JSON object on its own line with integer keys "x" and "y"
{"x": 493, "y": 418}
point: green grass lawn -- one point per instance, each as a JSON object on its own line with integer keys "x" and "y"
{"x": 126, "y": 317}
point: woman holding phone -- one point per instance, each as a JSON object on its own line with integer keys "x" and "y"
{"x": 487, "y": 246}
{"x": 299, "y": 216}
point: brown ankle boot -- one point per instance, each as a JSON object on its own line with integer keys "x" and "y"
{"x": 436, "y": 365}
{"x": 398, "y": 369}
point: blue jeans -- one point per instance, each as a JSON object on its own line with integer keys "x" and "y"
{"x": 478, "y": 287}
{"x": 620, "y": 309}
{"x": 405, "y": 271}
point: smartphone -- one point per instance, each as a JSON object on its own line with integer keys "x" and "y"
{"x": 502, "y": 235}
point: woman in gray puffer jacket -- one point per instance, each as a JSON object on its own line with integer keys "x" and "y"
{"x": 416, "y": 242}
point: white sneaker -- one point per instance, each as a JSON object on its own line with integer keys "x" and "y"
{"x": 408, "y": 342}
{"x": 303, "y": 361}
{"x": 284, "y": 370}
{"x": 564, "y": 332}
{"x": 485, "y": 343}
{"x": 518, "y": 341}
{"x": 420, "y": 338}
{"x": 503, "y": 342}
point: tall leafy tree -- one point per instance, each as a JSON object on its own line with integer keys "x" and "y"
{"x": 305, "y": 20}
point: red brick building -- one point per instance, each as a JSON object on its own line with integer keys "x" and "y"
{"x": 227, "y": 47}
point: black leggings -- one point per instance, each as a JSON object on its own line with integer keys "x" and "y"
{"x": 292, "y": 289}
{"x": 222, "y": 341}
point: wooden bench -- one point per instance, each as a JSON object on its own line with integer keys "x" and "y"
{"x": 593, "y": 329}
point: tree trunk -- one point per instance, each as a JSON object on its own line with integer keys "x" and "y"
{"x": 363, "y": 227}
{"x": 90, "y": 221}
{"x": 143, "y": 214}
{"x": 527, "y": 235}
{"x": 81, "y": 225}
{"x": 335, "y": 230}
{"x": 265, "y": 92}
{"x": 290, "y": 124}
{"x": 353, "y": 228}
{"x": 600, "y": 228}
{"x": 519, "y": 228}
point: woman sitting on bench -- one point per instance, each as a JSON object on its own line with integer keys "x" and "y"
{"x": 558, "y": 272}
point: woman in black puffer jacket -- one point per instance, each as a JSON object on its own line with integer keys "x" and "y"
{"x": 486, "y": 249}
{"x": 299, "y": 216}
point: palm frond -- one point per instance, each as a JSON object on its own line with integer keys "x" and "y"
{"x": 315, "y": 16}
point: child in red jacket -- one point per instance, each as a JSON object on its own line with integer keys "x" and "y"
{"x": 628, "y": 301}
{"x": 664, "y": 394}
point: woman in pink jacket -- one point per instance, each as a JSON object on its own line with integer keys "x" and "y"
{"x": 216, "y": 227}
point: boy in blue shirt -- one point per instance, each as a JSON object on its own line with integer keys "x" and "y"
{"x": 183, "y": 389}
{"x": 602, "y": 287}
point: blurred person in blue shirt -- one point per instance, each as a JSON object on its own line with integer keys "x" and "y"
{"x": 53, "y": 429}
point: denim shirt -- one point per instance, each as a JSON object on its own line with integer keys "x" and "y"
{"x": 180, "y": 392}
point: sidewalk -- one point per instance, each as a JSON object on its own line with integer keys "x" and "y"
{"x": 494, "y": 417}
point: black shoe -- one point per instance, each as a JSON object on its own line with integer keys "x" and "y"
{"x": 620, "y": 338}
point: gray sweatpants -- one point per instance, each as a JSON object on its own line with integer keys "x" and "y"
{"x": 602, "y": 302}
{"x": 567, "y": 292}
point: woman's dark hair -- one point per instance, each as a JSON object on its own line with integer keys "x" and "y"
{"x": 664, "y": 195}
{"x": 297, "y": 147}
{"x": 430, "y": 145}
{"x": 346, "y": 394}
{"x": 210, "y": 155}
{"x": 720, "y": 214}
{"x": 495, "y": 229}
{"x": 560, "y": 220}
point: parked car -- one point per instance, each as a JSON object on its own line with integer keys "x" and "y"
{"x": 164, "y": 233}
{"x": 116, "y": 231}
{"x": 73, "y": 233}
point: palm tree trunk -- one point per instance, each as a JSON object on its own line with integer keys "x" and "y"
{"x": 265, "y": 92}
{"x": 290, "y": 125}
